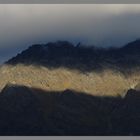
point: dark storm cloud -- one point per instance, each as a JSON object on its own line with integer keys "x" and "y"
{"x": 101, "y": 25}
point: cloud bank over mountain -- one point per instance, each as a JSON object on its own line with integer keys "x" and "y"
{"x": 101, "y": 25}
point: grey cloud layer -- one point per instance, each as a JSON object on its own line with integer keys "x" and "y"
{"x": 69, "y": 1}
{"x": 102, "y": 25}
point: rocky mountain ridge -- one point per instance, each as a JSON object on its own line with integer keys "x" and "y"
{"x": 65, "y": 54}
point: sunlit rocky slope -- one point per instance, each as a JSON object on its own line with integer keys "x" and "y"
{"x": 108, "y": 82}
{"x": 61, "y": 65}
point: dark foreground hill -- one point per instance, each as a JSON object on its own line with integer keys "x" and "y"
{"x": 64, "y": 54}
{"x": 30, "y": 111}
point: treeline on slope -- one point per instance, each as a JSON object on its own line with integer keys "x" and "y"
{"x": 31, "y": 111}
{"x": 85, "y": 59}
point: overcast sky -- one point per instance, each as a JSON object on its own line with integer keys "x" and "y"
{"x": 100, "y": 25}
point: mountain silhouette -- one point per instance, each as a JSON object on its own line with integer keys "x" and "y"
{"x": 65, "y": 54}
{"x": 53, "y": 55}
{"x": 32, "y": 111}
{"x": 132, "y": 47}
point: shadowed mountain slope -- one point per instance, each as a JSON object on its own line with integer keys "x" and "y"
{"x": 65, "y": 54}
{"x": 31, "y": 111}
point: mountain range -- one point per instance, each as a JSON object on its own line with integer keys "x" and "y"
{"x": 65, "y": 54}
{"x": 63, "y": 89}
